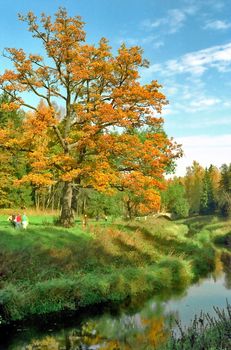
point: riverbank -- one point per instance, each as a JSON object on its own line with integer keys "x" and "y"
{"x": 47, "y": 269}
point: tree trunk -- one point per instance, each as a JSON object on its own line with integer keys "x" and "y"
{"x": 37, "y": 199}
{"x": 84, "y": 206}
{"x": 67, "y": 217}
{"x": 74, "y": 201}
{"x": 129, "y": 210}
{"x": 75, "y": 197}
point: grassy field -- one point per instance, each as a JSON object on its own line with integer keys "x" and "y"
{"x": 47, "y": 269}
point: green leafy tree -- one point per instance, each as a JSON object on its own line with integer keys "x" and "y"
{"x": 101, "y": 91}
{"x": 13, "y": 117}
{"x": 193, "y": 182}
{"x": 13, "y": 164}
{"x": 102, "y": 204}
{"x": 207, "y": 199}
{"x": 174, "y": 199}
{"x": 225, "y": 190}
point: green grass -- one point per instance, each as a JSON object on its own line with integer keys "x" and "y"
{"x": 48, "y": 269}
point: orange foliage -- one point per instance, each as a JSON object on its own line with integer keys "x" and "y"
{"x": 96, "y": 143}
{"x": 156, "y": 334}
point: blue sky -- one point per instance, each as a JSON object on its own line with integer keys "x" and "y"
{"x": 188, "y": 45}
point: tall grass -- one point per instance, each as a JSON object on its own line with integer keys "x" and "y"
{"x": 205, "y": 332}
{"x": 47, "y": 269}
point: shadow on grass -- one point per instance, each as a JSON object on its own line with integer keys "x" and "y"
{"x": 50, "y": 252}
{"x": 197, "y": 223}
{"x": 57, "y": 267}
{"x": 39, "y": 254}
{"x": 202, "y": 258}
{"x": 128, "y": 228}
{"x": 137, "y": 255}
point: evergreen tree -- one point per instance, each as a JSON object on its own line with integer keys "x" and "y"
{"x": 207, "y": 199}
{"x": 225, "y": 190}
{"x": 225, "y": 182}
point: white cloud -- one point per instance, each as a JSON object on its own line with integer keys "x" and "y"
{"x": 167, "y": 111}
{"x": 172, "y": 22}
{"x": 188, "y": 98}
{"x": 154, "y": 24}
{"x": 150, "y": 40}
{"x": 171, "y": 90}
{"x": 203, "y": 103}
{"x": 196, "y": 63}
{"x": 195, "y": 104}
{"x": 158, "y": 44}
{"x": 227, "y": 104}
{"x": 199, "y": 124}
{"x": 217, "y": 25}
{"x": 176, "y": 20}
{"x": 205, "y": 149}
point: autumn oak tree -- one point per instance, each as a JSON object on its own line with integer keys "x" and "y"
{"x": 95, "y": 142}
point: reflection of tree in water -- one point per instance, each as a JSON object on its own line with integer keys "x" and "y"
{"x": 218, "y": 266}
{"x": 147, "y": 328}
{"x": 79, "y": 339}
{"x": 226, "y": 259}
{"x": 143, "y": 330}
{"x": 49, "y": 342}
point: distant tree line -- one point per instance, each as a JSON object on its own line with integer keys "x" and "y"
{"x": 201, "y": 191}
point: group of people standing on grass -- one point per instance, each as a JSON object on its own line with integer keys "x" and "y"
{"x": 18, "y": 220}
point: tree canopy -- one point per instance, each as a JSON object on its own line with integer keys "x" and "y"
{"x": 97, "y": 141}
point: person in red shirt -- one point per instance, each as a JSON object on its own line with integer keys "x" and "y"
{"x": 18, "y": 221}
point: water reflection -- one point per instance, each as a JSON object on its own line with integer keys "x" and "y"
{"x": 139, "y": 331}
{"x": 145, "y": 329}
{"x": 226, "y": 260}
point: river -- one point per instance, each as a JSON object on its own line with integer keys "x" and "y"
{"x": 142, "y": 326}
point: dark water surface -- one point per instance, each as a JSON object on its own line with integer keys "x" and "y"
{"x": 145, "y": 327}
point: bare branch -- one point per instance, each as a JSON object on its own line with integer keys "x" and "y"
{"x": 62, "y": 141}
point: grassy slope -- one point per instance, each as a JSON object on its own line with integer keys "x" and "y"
{"x": 49, "y": 269}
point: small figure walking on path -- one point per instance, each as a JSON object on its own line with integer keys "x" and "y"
{"x": 24, "y": 221}
{"x": 18, "y": 221}
{"x": 84, "y": 220}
